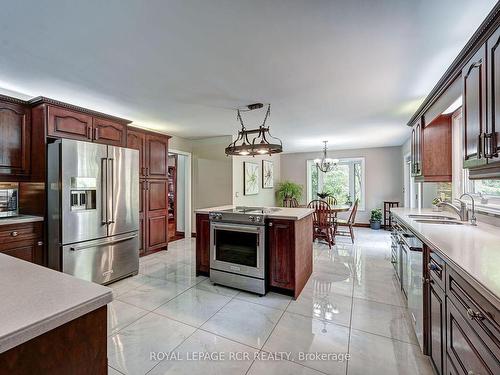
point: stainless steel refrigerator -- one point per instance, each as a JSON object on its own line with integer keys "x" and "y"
{"x": 93, "y": 210}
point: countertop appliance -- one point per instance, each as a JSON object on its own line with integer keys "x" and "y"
{"x": 238, "y": 248}
{"x": 93, "y": 210}
{"x": 9, "y": 199}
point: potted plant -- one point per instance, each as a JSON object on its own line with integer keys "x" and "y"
{"x": 348, "y": 201}
{"x": 288, "y": 189}
{"x": 376, "y": 218}
{"x": 435, "y": 203}
{"x": 323, "y": 195}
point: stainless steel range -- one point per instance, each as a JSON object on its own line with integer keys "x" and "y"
{"x": 238, "y": 248}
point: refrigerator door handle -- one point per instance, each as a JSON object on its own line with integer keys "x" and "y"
{"x": 104, "y": 191}
{"x": 104, "y": 243}
{"x": 111, "y": 192}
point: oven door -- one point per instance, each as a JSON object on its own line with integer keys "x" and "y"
{"x": 238, "y": 248}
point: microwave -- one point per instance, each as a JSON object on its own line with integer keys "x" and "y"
{"x": 9, "y": 199}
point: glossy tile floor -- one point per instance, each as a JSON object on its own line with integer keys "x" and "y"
{"x": 168, "y": 321}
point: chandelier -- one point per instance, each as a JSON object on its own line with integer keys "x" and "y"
{"x": 256, "y": 141}
{"x": 325, "y": 164}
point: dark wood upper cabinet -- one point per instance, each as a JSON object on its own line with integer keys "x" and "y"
{"x": 435, "y": 147}
{"x": 281, "y": 246}
{"x": 65, "y": 123}
{"x": 492, "y": 135}
{"x": 15, "y": 138}
{"x": 202, "y": 244}
{"x": 156, "y": 156}
{"x": 136, "y": 139}
{"x": 416, "y": 152}
{"x": 474, "y": 108}
{"x": 109, "y": 132}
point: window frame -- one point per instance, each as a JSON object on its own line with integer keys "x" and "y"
{"x": 350, "y": 161}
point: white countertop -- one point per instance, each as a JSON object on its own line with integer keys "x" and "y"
{"x": 473, "y": 249}
{"x": 20, "y": 219}
{"x": 35, "y": 300}
{"x": 280, "y": 213}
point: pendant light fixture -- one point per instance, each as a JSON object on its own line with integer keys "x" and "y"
{"x": 256, "y": 141}
{"x": 325, "y": 164}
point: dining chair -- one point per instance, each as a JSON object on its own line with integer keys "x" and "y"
{"x": 332, "y": 201}
{"x": 322, "y": 223}
{"x": 349, "y": 223}
{"x": 290, "y": 202}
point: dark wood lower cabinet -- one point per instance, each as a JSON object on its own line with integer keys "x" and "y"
{"x": 202, "y": 244}
{"x": 23, "y": 241}
{"x": 281, "y": 241}
{"x": 437, "y": 325}
{"x": 463, "y": 325}
{"x": 78, "y": 347}
{"x": 289, "y": 254}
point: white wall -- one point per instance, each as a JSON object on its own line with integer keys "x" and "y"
{"x": 383, "y": 174}
{"x": 265, "y": 197}
{"x": 212, "y": 173}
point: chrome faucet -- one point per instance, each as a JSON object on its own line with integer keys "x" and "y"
{"x": 462, "y": 211}
{"x": 473, "y": 219}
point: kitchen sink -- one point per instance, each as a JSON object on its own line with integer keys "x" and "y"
{"x": 429, "y": 221}
{"x": 430, "y": 216}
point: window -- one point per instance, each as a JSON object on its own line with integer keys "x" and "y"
{"x": 345, "y": 182}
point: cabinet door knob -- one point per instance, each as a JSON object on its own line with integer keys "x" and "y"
{"x": 14, "y": 234}
{"x": 270, "y": 224}
{"x": 474, "y": 314}
{"x": 39, "y": 243}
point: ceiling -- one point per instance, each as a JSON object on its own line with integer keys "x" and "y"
{"x": 351, "y": 72}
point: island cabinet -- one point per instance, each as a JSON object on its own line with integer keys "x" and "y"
{"x": 15, "y": 139}
{"x": 154, "y": 181}
{"x": 463, "y": 325}
{"x": 202, "y": 244}
{"x": 289, "y": 247}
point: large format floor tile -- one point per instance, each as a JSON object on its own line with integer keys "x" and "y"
{"x": 385, "y": 320}
{"x": 218, "y": 356}
{"x": 333, "y": 308}
{"x": 121, "y": 314}
{"x": 280, "y": 367}
{"x": 372, "y": 354}
{"x": 152, "y": 294}
{"x": 194, "y": 306}
{"x": 299, "y": 334}
{"x": 353, "y": 285}
{"x": 244, "y": 322}
{"x": 275, "y": 300}
{"x": 130, "y": 350}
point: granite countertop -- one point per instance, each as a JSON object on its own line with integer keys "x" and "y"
{"x": 36, "y": 300}
{"x": 276, "y": 212}
{"x": 19, "y": 219}
{"x": 475, "y": 250}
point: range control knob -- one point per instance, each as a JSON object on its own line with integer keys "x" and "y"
{"x": 258, "y": 219}
{"x": 251, "y": 218}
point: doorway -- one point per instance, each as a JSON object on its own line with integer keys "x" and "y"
{"x": 179, "y": 195}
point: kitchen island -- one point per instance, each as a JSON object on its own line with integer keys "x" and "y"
{"x": 288, "y": 246}
{"x": 461, "y": 290}
{"x": 52, "y": 323}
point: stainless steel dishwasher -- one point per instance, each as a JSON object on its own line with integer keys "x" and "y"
{"x": 413, "y": 248}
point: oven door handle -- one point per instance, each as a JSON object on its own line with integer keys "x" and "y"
{"x": 237, "y": 228}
